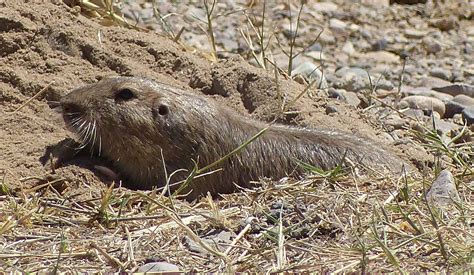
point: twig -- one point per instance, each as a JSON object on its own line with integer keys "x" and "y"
{"x": 33, "y": 97}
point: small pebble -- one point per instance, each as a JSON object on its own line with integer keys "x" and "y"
{"x": 416, "y": 34}
{"x": 464, "y": 100}
{"x": 423, "y": 103}
{"x": 395, "y": 121}
{"x": 456, "y": 89}
{"x": 158, "y": 267}
{"x": 441, "y": 73}
{"x": 453, "y": 108}
{"x": 468, "y": 115}
{"x": 311, "y": 73}
{"x": 331, "y": 109}
{"x": 443, "y": 190}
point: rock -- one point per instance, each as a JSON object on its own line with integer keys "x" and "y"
{"x": 337, "y": 94}
{"x": 444, "y": 127}
{"x": 469, "y": 71}
{"x": 379, "y": 45}
{"x": 300, "y": 59}
{"x": 380, "y": 57}
{"x": 337, "y": 25}
{"x": 423, "y": 103}
{"x": 352, "y": 99}
{"x": 356, "y": 79}
{"x": 408, "y": 2}
{"x": 376, "y": 3}
{"x": 366, "y": 34}
{"x": 395, "y": 121}
{"x": 457, "y": 118}
{"x": 315, "y": 47}
{"x": 353, "y": 71}
{"x": 289, "y": 29}
{"x": 194, "y": 247}
{"x": 279, "y": 204}
{"x": 229, "y": 44}
{"x": 311, "y": 73}
{"x": 425, "y": 91}
{"x": 456, "y": 89}
{"x": 348, "y": 48}
{"x": 194, "y": 13}
{"x": 453, "y": 108}
{"x": 219, "y": 238}
{"x": 445, "y": 24}
{"x": 386, "y": 136}
{"x": 434, "y": 82}
{"x": 327, "y": 37}
{"x": 331, "y": 109}
{"x": 158, "y": 267}
{"x": 256, "y": 225}
{"x": 384, "y": 93}
{"x": 354, "y": 27}
{"x": 316, "y": 55}
{"x": 441, "y": 73}
{"x": 464, "y": 100}
{"x": 348, "y": 97}
{"x": 325, "y": 7}
{"x": 443, "y": 190}
{"x": 431, "y": 45}
{"x": 415, "y": 34}
{"x": 468, "y": 48}
{"x": 468, "y": 115}
{"x": 415, "y": 113}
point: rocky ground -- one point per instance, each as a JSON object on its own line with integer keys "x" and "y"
{"x": 401, "y": 74}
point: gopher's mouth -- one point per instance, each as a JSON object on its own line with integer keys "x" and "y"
{"x": 72, "y": 116}
{"x": 82, "y": 125}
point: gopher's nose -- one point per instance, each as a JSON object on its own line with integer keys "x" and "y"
{"x": 70, "y": 108}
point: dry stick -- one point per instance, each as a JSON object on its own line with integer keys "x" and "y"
{"x": 234, "y": 242}
{"x": 49, "y": 183}
{"x": 355, "y": 263}
{"x": 164, "y": 24}
{"x": 109, "y": 12}
{"x": 210, "y": 28}
{"x": 130, "y": 247}
{"x": 187, "y": 220}
{"x": 33, "y": 97}
{"x": 43, "y": 256}
{"x": 114, "y": 261}
{"x": 66, "y": 208}
{"x": 281, "y": 256}
{"x": 292, "y": 43}
{"x": 195, "y": 237}
{"x": 176, "y": 38}
{"x": 9, "y": 224}
{"x": 261, "y": 36}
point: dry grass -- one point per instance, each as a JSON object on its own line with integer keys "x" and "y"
{"x": 350, "y": 224}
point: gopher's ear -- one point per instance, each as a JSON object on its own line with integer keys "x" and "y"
{"x": 160, "y": 109}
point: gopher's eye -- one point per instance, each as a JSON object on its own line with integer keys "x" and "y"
{"x": 163, "y": 110}
{"x": 124, "y": 95}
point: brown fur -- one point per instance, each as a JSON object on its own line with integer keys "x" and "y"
{"x": 183, "y": 127}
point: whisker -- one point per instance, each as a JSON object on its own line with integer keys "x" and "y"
{"x": 100, "y": 144}
{"x": 75, "y": 121}
{"x": 93, "y": 136}
{"x": 72, "y": 114}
